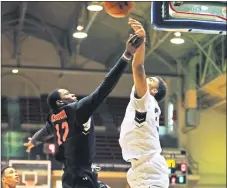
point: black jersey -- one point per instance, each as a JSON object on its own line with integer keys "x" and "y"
{"x": 73, "y": 126}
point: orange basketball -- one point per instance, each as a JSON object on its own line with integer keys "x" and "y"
{"x": 118, "y": 9}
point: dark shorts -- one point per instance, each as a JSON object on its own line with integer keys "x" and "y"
{"x": 79, "y": 178}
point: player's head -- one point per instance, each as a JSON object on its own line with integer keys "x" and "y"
{"x": 60, "y": 97}
{"x": 157, "y": 87}
{"x": 10, "y": 177}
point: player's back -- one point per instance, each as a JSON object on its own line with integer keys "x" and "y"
{"x": 75, "y": 140}
{"x": 139, "y": 130}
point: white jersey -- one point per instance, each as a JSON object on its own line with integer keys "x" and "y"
{"x": 139, "y": 130}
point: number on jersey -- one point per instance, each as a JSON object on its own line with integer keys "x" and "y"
{"x": 65, "y": 129}
{"x": 156, "y": 114}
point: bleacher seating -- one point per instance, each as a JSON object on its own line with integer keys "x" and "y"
{"x": 31, "y": 110}
{"x": 117, "y": 107}
{"x": 108, "y": 149}
{"x": 35, "y": 110}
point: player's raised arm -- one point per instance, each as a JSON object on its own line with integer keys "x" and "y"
{"x": 139, "y": 75}
{"x": 87, "y": 106}
{"x": 39, "y": 137}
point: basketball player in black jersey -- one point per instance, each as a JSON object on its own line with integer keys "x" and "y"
{"x": 72, "y": 124}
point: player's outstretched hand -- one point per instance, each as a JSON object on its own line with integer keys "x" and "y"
{"x": 137, "y": 27}
{"x": 133, "y": 43}
{"x": 29, "y": 145}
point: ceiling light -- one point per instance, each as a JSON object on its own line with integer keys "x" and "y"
{"x": 95, "y": 6}
{"x": 80, "y": 35}
{"x": 15, "y": 71}
{"x": 80, "y": 28}
{"x": 177, "y": 34}
{"x": 177, "y": 40}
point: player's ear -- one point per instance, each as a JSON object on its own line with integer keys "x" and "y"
{"x": 59, "y": 102}
{"x": 3, "y": 179}
{"x": 154, "y": 91}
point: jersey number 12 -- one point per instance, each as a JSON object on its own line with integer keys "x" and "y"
{"x": 64, "y": 126}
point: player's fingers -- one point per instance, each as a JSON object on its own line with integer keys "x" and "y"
{"x": 28, "y": 150}
{"x": 136, "y": 27}
{"x": 139, "y": 31}
{"x": 29, "y": 138}
{"x": 134, "y": 23}
{"x": 29, "y": 144}
{"x": 132, "y": 20}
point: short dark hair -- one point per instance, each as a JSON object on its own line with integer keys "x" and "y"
{"x": 162, "y": 89}
{"x": 3, "y": 171}
{"x": 4, "y": 168}
{"x": 52, "y": 99}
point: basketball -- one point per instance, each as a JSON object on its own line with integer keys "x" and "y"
{"x": 118, "y": 9}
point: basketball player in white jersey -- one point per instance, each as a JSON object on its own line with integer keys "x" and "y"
{"x": 139, "y": 138}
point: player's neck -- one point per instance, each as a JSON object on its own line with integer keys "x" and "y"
{"x": 4, "y": 185}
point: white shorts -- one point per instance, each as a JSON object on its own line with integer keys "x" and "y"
{"x": 148, "y": 172}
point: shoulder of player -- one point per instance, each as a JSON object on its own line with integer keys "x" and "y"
{"x": 61, "y": 113}
{"x": 72, "y": 106}
{"x": 48, "y": 117}
{"x": 133, "y": 92}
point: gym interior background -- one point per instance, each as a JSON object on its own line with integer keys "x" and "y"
{"x": 39, "y": 53}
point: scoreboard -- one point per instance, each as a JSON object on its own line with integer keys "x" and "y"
{"x": 178, "y": 173}
{"x": 189, "y": 16}
{"x": 178, "y": 167}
